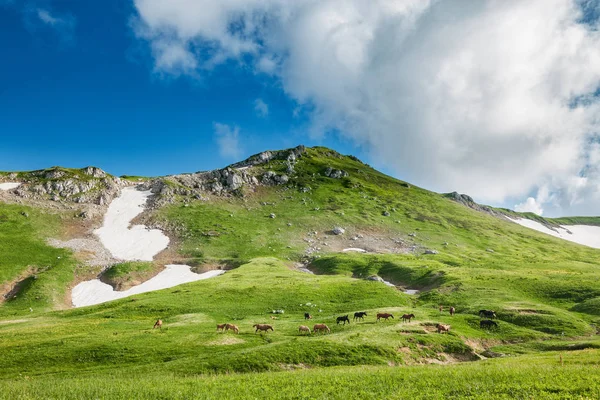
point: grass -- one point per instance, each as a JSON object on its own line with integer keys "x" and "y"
{"x": 544, "y": 290}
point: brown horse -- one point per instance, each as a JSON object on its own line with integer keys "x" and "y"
{"x": 221, "y": 327}
{"x": 384, "y": 316}
{"x": 441, "y": 308}
{"x": 304, "y": 329}
{"x": 232, "y": 327}
{"x": 452, "y": 310}
{"x": 441, "y": 328}
{"x": 321, "y": 328}
{"x": 408, "y": 317}
{"x": 262, "y": 327}
{"x": 158, "y": 324}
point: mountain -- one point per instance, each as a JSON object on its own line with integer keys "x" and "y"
{"x": 266, "y": 221}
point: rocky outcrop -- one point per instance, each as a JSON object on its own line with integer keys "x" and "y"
{"x": 467, "y": 201}
{"x": 88, "y": 185}
{"x": 335, "y": 173}
{"x": 227, "y": 181}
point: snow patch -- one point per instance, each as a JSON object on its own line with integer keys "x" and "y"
{"x": 354, "y": 249}
{"x": 130, "y": 243}
{"x": 95, "y": 292}
{"x": 586, "y": 235}
{"x": 410, "y": 291}
{"x": 9, "y": 185}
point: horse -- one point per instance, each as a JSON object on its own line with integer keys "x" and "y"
{"x": 343, "y": 318}
{"x": 384, "y": 316}
{"x": 232, "y": 327}
{"x": 407, "y": 317}
{"x": 487, "y": 323}
{"x": 441, "y": 308}
{"x": 359, "y": 315}
{"x": 158, "y": 324}
{"x": 441, "y": 328}
{"x": 304, "y": 328}
{"x": 321, "y": 328}
{"x": 262, "y": 327}
{"x": 487, "y": 314}
{"x": 221, "y": 327}
{"x": 307, "y": 316}
{"x": 452, "y": 310}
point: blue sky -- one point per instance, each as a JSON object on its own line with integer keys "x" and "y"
{"x": 86, "y": 94}
{"x": 494, "y": 99}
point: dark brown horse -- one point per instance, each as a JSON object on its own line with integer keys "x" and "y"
{"x": 452, "y": 310}
{"x": 359, "y": 315}
{"x": 158, "y": 324}
{"x": 343, "y": 319}
{"x": 262, "y": 327}
{"x": 407, "y": 317}
{"x": 307, "y": 316}
{"x": 384, "y": 316}
{"x": 221, "y": 327}
{"x": 321, "y": 328}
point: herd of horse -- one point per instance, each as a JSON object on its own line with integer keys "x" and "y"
{"x": 358, "y": 316}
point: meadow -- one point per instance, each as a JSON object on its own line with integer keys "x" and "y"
{"x": 545, "y": 291}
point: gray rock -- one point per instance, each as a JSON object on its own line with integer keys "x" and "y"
{"x": 272, "y": 215}
{"x": 338, "y": 230}
{"x": 385, "y": 214}
{"x": 430, "y": 252}
{"x": 335, "y": 173}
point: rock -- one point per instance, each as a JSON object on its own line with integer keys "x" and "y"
{"x": 489, "y": 250}
{"x": 338, "y": 230}
{"x": 272, "y": 215}
{"x": 430, "y": 252}
{"x": 375, "y": 278}
{"x": 412, "y": 234}
{"x": 94, "y": 172}
{"x": 335, "y": 173}
{"x": 25, "y": 214}
{"x": 385, "y": 214}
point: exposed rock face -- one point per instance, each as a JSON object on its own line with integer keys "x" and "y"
{"x": 469, "y": 202}
{"x": 335, "y": 173}
{"x": 226, "y": 181}
{"x": 88, "y": 185}
{"x": 338, "y": 230}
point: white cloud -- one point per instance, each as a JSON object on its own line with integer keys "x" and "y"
{"x": 530, "y": 205}
{"x": 45, "y": 17}
{"x": 227, "y": 138}
{"x": 261, "y": 108}
{"x": 490, "y": 98}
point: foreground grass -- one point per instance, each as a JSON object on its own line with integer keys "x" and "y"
{"x": 538, "y": 376}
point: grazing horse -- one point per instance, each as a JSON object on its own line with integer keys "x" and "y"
{"x": 441, "y": 308}
{"x": 384, "y": 316}
{"x": 407, "y": 317}
{"x": 359, "y": 315}
{"x": 304, "y": 328}
{"x": 452, "y": 310}
{"x": 221, "y": 327}
{"x": 232, "y": 327}
{"x": 343, "y": 318}
{"x": 487, "y": 314}
{"x": 307, "y": 316}
{"x": 158, "y": 324}
{"x": 441, "y": 328}
{"x": 262, "y": 327}
{"x": 321, "y": 328}
{"x": 487, "y": 323}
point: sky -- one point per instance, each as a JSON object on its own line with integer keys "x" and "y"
{"x": 497, "y": 99}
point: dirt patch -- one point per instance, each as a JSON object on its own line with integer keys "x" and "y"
{"x": 13, "y": 321}
{"x": 292, "y": 367}
{"x": 226, "y": 341}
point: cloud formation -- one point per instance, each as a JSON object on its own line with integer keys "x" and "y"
{"x": 496, "y": 99}
{"x": 227, "y": 138}
{"x": 530, "y": 205}
{"x": 261, "y": 108}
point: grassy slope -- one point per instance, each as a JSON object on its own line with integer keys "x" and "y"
{"x": 45, "y": 271}
{"x": 545, "y": 291}
{"x": 514, "y": 378}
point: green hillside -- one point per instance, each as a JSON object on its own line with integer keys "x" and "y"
{"x": 545, "y": 292}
